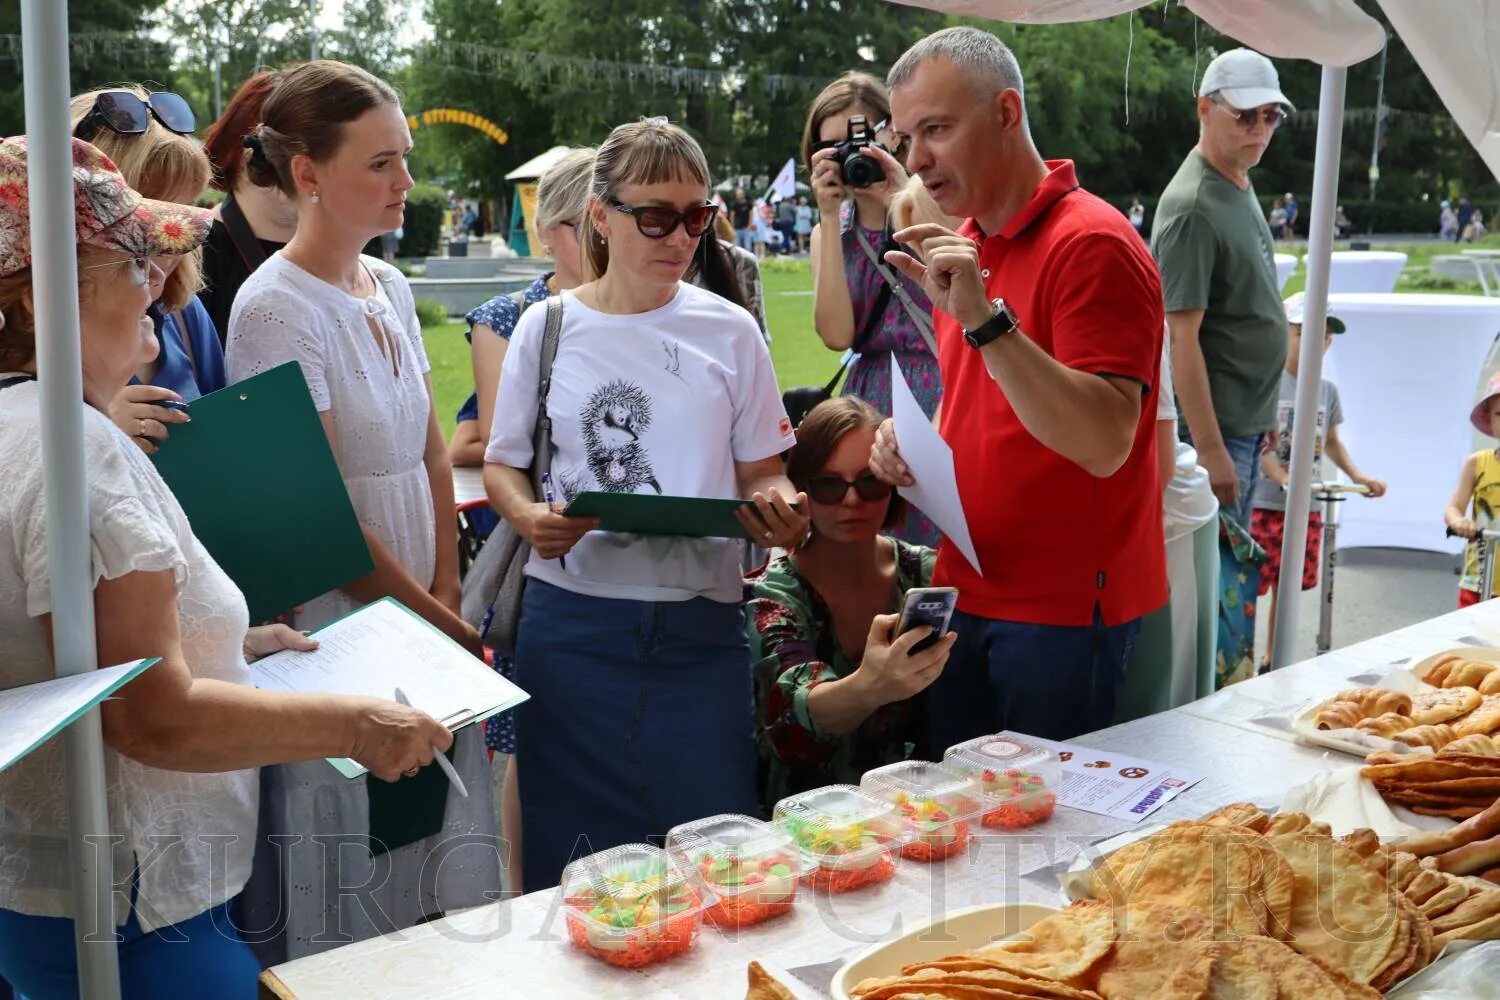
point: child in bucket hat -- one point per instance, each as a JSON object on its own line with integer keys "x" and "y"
{"x": 1472, "y": 507}
{"x": 108, "y": 214}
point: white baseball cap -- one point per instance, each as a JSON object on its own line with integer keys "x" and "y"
{"x": 1296, "y": 306}
{"x": 1245, "y": 79}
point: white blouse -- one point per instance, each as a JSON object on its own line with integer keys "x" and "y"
{"x": 379, "y": 403}
{"x": 206, "y": 822}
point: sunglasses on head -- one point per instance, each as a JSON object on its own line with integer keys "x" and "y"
{"x": 1271, "y": 117}
{"x": 831, "y": 490}
{"x": 658, "y": 222}
{"x": 124, "y": 113}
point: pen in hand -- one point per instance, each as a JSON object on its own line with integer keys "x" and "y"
{"x": 551, "y": 499}
{"x": 438, "y": 755}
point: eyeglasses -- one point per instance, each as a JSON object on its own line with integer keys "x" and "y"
{"x": 831, "y": 490}
{"x": 1272, "y": 117}
{"x": 658, "y": 222}
{"x": 124, "y": 113}
{"x": 140, "y": 268}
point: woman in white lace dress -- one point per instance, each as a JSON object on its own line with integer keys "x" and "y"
{"x": 334, "y": 139}
{"x": 184, "y": 737}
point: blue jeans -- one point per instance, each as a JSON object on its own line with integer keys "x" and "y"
{"x": 1052, "y": 681}
{"x": 744, "y": 239}
{"x": 1245, "y": 453}
{"x": 202, "y": 956}
{"x": 641, "y": 717}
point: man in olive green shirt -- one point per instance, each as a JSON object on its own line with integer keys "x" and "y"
{"x": 1218, "y": 271}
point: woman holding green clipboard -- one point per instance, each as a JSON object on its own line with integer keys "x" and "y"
{"x": 641, "y": 713}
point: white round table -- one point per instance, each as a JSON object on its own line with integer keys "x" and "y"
{"x": 1365, "y": 270}
{"x": 1408, "y": 372}
{"x": 1286, "y": 263}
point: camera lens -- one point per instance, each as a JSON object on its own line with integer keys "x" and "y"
{"x": 860, "y": 171}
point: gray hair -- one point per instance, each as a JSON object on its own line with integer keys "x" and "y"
{"x": 563, "y": 193}
{"x": 982, "y": 57}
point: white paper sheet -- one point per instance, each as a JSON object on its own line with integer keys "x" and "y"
{"x": 383, "y": 646}
{"x": 1114, "y": 784}
{"x": 930, "y": 460}
{"x": 34, "y": 713}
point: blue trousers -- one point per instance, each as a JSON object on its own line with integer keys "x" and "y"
{"x": 641, "y": 717}
{"x": 1051, "y": 681}
{"x": 202, "y": 956}
{"x": 1245, "y": 452}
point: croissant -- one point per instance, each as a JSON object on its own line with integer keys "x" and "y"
{"x": 1376, "y": 701}
{"x": 1491, "y": 684}
{"x": 1468, "y": 674}
{"x": 1478, "y": 745}
{"x": 1387, "y": 725}
{"x": 1437, "y": 736}
{"x": 1340, "y": 715}
{"x": 1437, "y": 671}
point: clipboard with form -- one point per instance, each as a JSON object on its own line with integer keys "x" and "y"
{"x": 383, "y": 646}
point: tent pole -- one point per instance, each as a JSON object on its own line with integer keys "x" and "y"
{"x": 49, "y": 171}
{"x": 1310, "y": 360}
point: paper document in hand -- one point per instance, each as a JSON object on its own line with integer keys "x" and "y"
{"x": 34, "y": 713}
{"x": 930, "y": 460}
{"x": 381, "y": 647}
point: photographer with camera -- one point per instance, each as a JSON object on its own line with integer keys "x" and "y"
{"x": 873, "y": 310}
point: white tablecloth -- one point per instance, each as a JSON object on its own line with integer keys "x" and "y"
{"x": 1408, "y": 372}
{"x": 1286, "y": 263}
{"x": 519, "y": 949}
{"x": 1365, "y": 270}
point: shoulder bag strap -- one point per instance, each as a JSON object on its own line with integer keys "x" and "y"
{"x": 240, "y": 233}
{"x": 872, "y": 320}
{"x": 541, "y": 435}
{"x": 920, "y": 319}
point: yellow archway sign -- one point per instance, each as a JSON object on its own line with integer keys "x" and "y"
{"x": 453, "y": 116}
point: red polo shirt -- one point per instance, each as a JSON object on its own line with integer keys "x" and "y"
{"x": 1056, "y": 541}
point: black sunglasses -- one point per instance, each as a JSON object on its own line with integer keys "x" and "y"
{"x": 831, "y": 490}
{"x": 658, "y": 222}
{"x": 124, "y": 113}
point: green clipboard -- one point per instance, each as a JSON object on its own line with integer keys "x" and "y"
{"x": 649, "y": 514}
{"x": 259, "y": 483}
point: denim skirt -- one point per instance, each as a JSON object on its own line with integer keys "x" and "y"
{"x": 641, "y": 717}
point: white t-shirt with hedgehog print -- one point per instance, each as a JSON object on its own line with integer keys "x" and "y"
{"x": 660, "y": 402}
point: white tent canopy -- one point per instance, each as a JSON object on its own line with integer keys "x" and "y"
{"x": 538, "y": 164}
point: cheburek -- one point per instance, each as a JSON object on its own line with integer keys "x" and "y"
{"x": 1231, "y": 873}
{"x": 1144, "y": 935}
{"x": 1428, "y": 708}
{"x": 1343, "y": 912}
{"x": 1065, "y": 945}
{"x": 1254, "y": 968}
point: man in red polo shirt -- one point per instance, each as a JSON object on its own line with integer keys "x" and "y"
{"x": 1049, "y": 324}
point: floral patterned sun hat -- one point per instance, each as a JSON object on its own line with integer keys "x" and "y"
{"x": 108, "y": 213}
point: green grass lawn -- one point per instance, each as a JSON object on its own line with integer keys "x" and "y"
{"x": 801, "y": 358}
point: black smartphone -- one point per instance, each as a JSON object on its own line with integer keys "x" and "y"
{"x": 927, "y": 606}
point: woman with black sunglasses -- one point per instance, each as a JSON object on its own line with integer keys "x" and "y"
{"x": 836, "y": 689}
{"x": 633, "y": 647}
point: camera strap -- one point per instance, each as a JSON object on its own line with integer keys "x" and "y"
{"x": 921, "y": 320}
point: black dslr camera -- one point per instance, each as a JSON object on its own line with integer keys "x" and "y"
{"x": 860, "y": 170}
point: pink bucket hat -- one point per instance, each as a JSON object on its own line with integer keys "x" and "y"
{"x": 1478, "y": 417}
{"x": 108, "y": 213}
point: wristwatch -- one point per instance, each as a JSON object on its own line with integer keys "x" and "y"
{"x": 1002, "y": 322}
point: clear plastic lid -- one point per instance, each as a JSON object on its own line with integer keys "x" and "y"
{"x": 840, "y": 826}
{"x": 732, "y": 854}
{"x": 630, "y": 887}
{"x": 929, "y": 796}
{"x": 1007, "y": 767}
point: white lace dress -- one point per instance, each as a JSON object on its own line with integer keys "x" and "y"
{"x": 189, "y": 835}
{"x": 330, "y": 890}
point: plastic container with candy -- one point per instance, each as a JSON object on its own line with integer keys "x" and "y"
{"x": 937, "y": 803}
{"x": 1017, "y": 778}
{"x": 629, "y": 906}
{"x": 850, "y": 834}
{"x": 751, "y": 866}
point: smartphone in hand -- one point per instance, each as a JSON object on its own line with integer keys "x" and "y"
{"x": 927, "y": 606}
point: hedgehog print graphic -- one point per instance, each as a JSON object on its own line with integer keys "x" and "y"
{"x": 615, "y": 417}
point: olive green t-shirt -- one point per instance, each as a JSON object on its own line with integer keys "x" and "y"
{"x": 1216, "y": 253}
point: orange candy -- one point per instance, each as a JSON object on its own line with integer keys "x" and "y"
{"x": 650, "y": 945}
{"x": 919, "y": 851}
{"x": 849, "y": 879}
{"x": 744, "y": 910}
{"x": 1025, "y": 811}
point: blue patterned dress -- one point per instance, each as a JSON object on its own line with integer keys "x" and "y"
{"x": 870, "y": 374}
{"x": 499, "y": 314}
